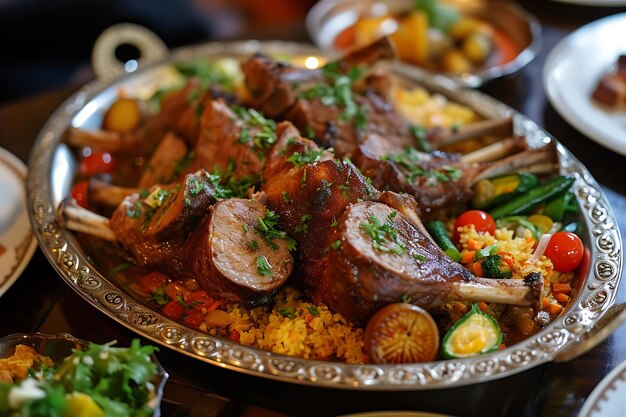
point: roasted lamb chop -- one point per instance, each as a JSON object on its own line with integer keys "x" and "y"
{"x": 189, "y": 230}
{"x": 359, "y": 249}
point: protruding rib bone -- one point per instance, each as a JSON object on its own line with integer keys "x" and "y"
{"x": 107, "y": 195}
{"x": 497, "y": 150}
{"x": 504, "y": 291}
{"x": 491, "y": 127}
{"x": 133, "y": 143}
{"x": 71, "y": 216}
{"x": 515, "y": 163}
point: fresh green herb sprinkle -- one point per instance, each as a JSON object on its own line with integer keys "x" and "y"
{"x": 384, "y": 236}
{"x": 263, "y": 267}
{"x": 419, "y": 257}
{"x": 288, "y": 312}
{"x": 406, "y": 298}
{"x": 305, "y": 158}
{"x": 266, "y": 228}
{"x": 285, "y": 197}
{"x": 244, "y": 227}
{"x": 336, "y": 244}
{"x": 313, "y": 310}
{"x": 253, "y": 245}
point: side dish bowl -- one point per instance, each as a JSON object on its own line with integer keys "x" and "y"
{"x": 329, "y": 18}
{"x": 59, "y": 346}
{"x": 53, "y": 168}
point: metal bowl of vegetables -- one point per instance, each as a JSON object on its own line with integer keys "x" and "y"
{"x": 471, "y": 42}
{"x": 70, "y": 376}
{"x": 572, "y": 332}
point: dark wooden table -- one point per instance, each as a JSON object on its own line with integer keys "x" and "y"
{"x": 40, "y": 301}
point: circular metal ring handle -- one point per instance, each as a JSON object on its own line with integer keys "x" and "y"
{"x": 107, "y": 66}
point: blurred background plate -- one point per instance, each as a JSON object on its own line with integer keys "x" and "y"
{"x": 517, "y": 29}
{"x": 17, "y": 242}
{"x": 608, "y": 399}
{"x": 572, "y": 71}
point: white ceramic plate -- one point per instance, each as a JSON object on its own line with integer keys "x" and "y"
{"x": 608, "y": 399}
{"x": 572, "y": 71}
{"x": 16, "y": 236}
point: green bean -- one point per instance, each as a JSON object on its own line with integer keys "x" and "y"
{"x": 532, "y": 198}
{"x": 438, "y": 232}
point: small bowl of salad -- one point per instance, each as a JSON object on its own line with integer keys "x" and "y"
{"x": 60, "y": 375}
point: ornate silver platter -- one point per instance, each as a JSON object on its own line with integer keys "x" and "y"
{"x": 52, "y": 171}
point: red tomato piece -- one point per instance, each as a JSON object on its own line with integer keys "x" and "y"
{"x": 80, "y": 193}
{"x": 152, "y": 281}
{"x": 98, "y": 162}
{"x": 176, "y": 289}
{"x": 565, "y": 250}
{"x": 482, "y": 221}
{"x": 174, "y": 310}
{"x": 234, "y": 335}
{"x": 199, "y": 297}
{"x": 194, "y": 318}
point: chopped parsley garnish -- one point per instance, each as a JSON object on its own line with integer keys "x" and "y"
{"x": 344, "y": 190}
{"x": 263, "y": 267}
{"x": 411, "y": 161}
{"x": 134, "y": 210}
{"x": 384, "y": 235}
{"x": 334, "y": 223}
{"x": 305, "y": 158}
{"x": 244, "y": 227}
{"x": 338, "y": 92}
{"x": 181, "y": 300}
{"x": 266, "y": 228}
{"x": 303, "y": 227}
{"x": 160, "y": 297}
{"x": 336, "y": 244}
{"x": 285, "y": 197}
{"x": 406, "y": 298}
{"x": 265, "y": 137}
{"x": 253, "y": 245}
{"x": 303, "y": 180}
{"x": 419, "y": 257}
{"x": 313, "y": 310}
{"x": 420, "y": 135}
{"x": 288, "y": 312}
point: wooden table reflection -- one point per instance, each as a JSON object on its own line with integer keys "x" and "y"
{"x": 40, "y": 301}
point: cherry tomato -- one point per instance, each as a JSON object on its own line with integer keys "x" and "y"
{"x": 199, "y": 297}
{"x": 97, "y": 162}
{"x": 80, "y": 193}
{"x": 194, "y": 318}
{"x": 176, "y": 289}
{"x": 401, "y": 333}
{"x": 174, "y": 310}
{"x": 481, "y": 220}
{"x": 152, "y": 281}
{"x": 565, "y": 250}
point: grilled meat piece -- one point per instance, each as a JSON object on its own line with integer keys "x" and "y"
{"x": 381, "y": 258}
{"x": 231, "y": 260}
{"x": 155, "y": 236}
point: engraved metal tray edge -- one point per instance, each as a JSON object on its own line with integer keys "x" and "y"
{"x": 597, "y": 295}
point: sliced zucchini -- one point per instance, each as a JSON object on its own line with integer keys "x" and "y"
{"x": 474, "y": 334}
{"x": 491, "y": 192}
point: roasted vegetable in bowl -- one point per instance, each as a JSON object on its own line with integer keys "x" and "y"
{"x": 434, "y": 35}
{"x": 93, "y": 380}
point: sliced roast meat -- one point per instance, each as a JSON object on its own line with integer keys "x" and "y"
{"x": 153, "y": 235}
{"x": 232, "y": 260}
{"x": 165, "y": 162}
{"x": 378, "y": 257}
